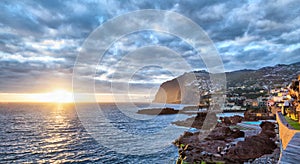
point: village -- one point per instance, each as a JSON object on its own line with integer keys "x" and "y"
{"x": 284, "y": 99}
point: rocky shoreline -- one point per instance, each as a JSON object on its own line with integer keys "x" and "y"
{"x": 226, "y": 143}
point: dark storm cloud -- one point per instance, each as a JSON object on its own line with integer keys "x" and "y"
{"x": 39, "y": 38}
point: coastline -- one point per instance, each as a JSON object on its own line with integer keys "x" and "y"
{"x": 227, "y": 143}
{"x": 189, "y": 110}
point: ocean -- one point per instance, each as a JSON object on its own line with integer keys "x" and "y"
{"x": 101, "y": 133}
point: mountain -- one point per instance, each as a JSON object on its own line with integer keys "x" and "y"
{"x": 188, "y": 87}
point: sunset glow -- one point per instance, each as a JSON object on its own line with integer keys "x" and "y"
{"x": 59, "y": 96}
{"x": 64, "y": 96}
{"x": 56, "y": 96}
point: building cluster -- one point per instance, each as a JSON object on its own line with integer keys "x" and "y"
{"x": 286, "y": 100}
{"x": 241, "y": 99}
{"x": 294, "y": 94}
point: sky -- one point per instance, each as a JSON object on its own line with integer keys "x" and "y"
{"x": 40, "y": 40}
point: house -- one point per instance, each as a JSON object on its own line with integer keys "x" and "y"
{"x": 270, "y": 102}
{"x": 255, "y": 103}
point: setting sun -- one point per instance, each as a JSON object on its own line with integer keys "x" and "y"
{"x": 56, "y": 96}
{"x": 59, "y": 96}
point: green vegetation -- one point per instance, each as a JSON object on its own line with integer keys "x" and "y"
{"x": 293, "y": 123}
{"x": 182, "y": 146}
{"x": 220, "y": 162}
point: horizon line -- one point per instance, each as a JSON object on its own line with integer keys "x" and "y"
{"x": 70, "y": 97}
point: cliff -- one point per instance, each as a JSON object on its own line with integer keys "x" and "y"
{"x": 188, "y": 87}
{"x": 169, "y": 92}
{"x": 183, "y": 89}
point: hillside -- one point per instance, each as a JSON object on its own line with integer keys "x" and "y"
{"x": 187, "y": 87}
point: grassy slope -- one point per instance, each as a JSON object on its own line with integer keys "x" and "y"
{"x": 293, "y": 123}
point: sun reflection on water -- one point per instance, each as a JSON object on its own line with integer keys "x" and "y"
{"x": 58, "y": 137}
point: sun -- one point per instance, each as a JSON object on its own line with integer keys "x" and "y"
{"x": 60, "y": 96}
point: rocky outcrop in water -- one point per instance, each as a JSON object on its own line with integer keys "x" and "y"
{"x": 158, "y": 111}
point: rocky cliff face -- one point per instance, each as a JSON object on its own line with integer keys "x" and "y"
{"x": 188, "y": 87}
{"x": 183, "y": 89}
{"x": 169, "y": 92}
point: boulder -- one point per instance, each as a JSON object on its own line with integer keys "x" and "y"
{"x": 233, "y": 120}
{"x": 253, "y": 147}
{"x": 267, "y": 126}
{"x": 222, "y": 133}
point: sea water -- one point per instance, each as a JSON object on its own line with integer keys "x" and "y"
{"x": 43, "y": 133}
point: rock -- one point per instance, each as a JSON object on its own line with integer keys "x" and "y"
{"x": 267, "y": 126}
{"x": 190, "y": 108}
{"x": 217, "y": 155}
{"x": 268, "y": 129}
{"x": 254, "y": 146}
{"x": 187, "y": 134}
{"x": 204, "y": 151}
{"x": 158, "y": 111}
{"x": 169, "y": 92}
{"x": 196, "y": 150}
{"x": 218, "y": 145}
{"x": 233, "y": 120}
{"x": 269, "y": 133}
{"x": 255, "y": 115}
{"x": 222, "y": 133}
{"x": 176, "y": 91}
{"x": 186, "y": 138}
{"x": 194, "y": 122}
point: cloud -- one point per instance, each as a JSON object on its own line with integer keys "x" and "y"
{"x": 41, "y": 39}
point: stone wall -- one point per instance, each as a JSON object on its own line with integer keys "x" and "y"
{"x": 285, "y": 133}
